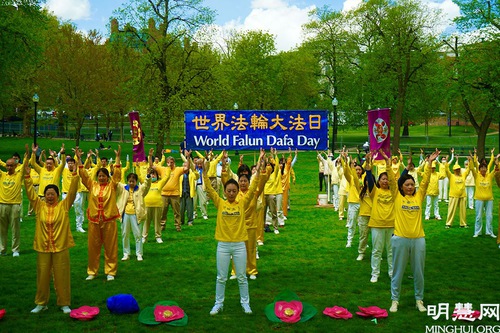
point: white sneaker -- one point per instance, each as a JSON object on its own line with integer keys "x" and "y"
{"x": 90, "y": 277}
{"x": 125, "y": 257}
{"x": 218, "y": 307}
{"x": 232, "y": 277}
{"x": 143, "y": 240}
{"x": 39, "y": 308}
{"x": 276, "y": 231}
{"x": 374, "y": 279}
{"x": 80, "y": 229}
{"x": 360, "y": 257}
{"x": 427, "y": 218}
{"x": 348, "y": 244}
{"x": 15, "y": 254}
{"x": 253, "y": 277}
{"x": 246, "y": 308}
{"x": 66, "y": 309}
{"x": 260, "y": 243}
{"x": 139, "y": 257}
{"x": 110, "y": 278}
{"x": 492, "y": 236}
{"x": 420, "y": 306}
{"x": 438, "y": 218}
{"x": 159, "y": 240}
{"x": 475, "y": 235}
{"x": 257, "y": 255}
{"x": 394, "y": 306}
{"x": 205, "y": 217}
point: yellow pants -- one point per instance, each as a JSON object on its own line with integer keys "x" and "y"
{"x": 452, "y": 208}
{"x": 251, "y": 246}
{"x": 260, "y": 225}
{"x": 342, "y": 201}
{"x": 103, "y": 234}
{"x": 48, "y": 263}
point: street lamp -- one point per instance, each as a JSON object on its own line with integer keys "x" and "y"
{"x": 449, "y": 119}
{"x": 335, "y": 102}
{"x": 35, "y": 100}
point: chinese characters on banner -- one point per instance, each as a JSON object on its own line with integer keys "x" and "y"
{"x": 137, "y": 137}
{"x": 251, "y": 130}
{"x": 380, "y": 131}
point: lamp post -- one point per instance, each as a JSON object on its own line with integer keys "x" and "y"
{"x": 449, "y": 119}
{"x": 35, "y": 101}
{"x": 335, "y": 102}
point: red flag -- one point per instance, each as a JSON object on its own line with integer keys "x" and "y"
{"x": 137, "y": 137}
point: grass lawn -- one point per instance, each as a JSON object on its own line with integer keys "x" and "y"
{"x": 308, "y": 257}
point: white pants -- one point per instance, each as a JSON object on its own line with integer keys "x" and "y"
{"x": 443, "y": 188}
{"x": 352, "y": 217}
{"x": 336, "y": 196}
{"x": 80, "y": 199}
{"x": 129, "y": 221}
{"x": 381, "y": 238}
{"x": 432, "y": 200}
{"x": 238, "y": 252}
{"x": 469, "y": 193}
{"x": 363, "y": 233}
{"x": 487, "y": 205}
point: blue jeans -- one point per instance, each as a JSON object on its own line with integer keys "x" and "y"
{"x": 402, "y": 250}
{"x": 238, "y": 252}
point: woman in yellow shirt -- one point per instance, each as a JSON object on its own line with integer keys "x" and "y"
{"x": 483, "y": 196}
{"x": 231, "y": 234}
{"x": 457, "y": 194}
{"x": 52, "y": 241}
{"x": 382, "y": 216}
{"x": 408, "y": 241}
{"x": 102, "y": 213}
{"x": 353, "y": 200}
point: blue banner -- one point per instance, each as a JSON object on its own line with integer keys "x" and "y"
{"x": 251, "y": 130}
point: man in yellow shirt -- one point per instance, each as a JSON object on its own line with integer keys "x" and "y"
{"x": 170, "y": 192}
{"x": 68, "y": 174}
{"x": 10, "y": 204}
{"x": 49, "y": 174}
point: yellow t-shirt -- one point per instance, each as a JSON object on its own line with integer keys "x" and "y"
{"x": 130, "y": 207}
{"x": 408, "y": 211}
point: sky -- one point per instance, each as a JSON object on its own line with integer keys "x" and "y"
{"x": 282, "y": 18}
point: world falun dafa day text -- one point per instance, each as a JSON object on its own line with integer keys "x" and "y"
{"x": 252, "y": 129}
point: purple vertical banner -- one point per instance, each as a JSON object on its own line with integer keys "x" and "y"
{"x": 137, "y": 137}
{"x": 379, "y": 130}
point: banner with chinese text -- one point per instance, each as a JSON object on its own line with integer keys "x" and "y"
{"x": 380, "y": 131}
{"x": 137, "y": 137}
{"x": 251, "y": 130}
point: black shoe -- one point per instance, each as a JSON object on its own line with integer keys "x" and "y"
{"x": 267, "y": 229}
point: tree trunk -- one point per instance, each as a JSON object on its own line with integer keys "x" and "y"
{"x": 481, "y": 137}
{"x": 397, "y": 126}
{"x": 160, "y": 138}
{"x": 27, "y": 116}
{"x": 406, "y": 129}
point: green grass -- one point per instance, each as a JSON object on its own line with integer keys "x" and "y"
{"x": 308, "y": 257}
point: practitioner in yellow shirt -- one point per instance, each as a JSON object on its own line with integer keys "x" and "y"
{"x": 408, "y": 241}
{"x": 10, "y": 204}
{"x": 457, "y": 194}
{"x": 49, "y": 174}
{"x": 102, "y": 213}
{"x": 382, "y": 215}
{"x": 52, "y": 242}
{"x": 154, "y": 203}
{"x": 353, "y": 200}
{"x": 483, "y": 195}
{"x": 231, "y": 234}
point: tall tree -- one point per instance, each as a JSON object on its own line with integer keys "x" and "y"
{"x": 403, "y": 43}
{"x": 165, "y": 31}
